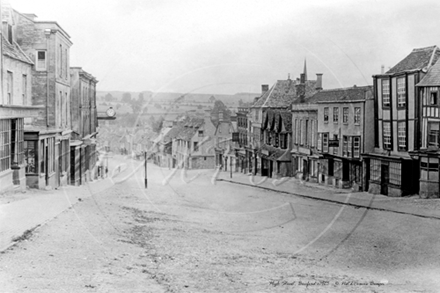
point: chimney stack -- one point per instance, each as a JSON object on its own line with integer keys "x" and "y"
{"x": 264, "y": 88}
{"x": 382, "y": 69}
{"x": 319, "y": 81}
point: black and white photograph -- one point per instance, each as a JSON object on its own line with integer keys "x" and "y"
{"x": 199, "y": 146}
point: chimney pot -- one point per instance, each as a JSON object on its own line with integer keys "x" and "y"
{"x": 319, "y": 81}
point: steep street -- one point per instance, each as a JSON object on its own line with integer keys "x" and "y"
{"x": 215, "y": 236}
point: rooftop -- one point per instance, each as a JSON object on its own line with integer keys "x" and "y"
{"x": 418, "y": 59}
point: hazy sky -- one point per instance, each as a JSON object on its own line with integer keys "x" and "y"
{"x": 231, "y": 46}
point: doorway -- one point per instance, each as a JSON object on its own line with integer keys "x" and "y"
{"x": 384, "y": 179}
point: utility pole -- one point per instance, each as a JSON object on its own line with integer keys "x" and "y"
{"x": 230, "y": 165}
{"x": 146, "y": 180}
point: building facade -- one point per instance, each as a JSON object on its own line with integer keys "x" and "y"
{"x": 16, "y": 108}
{"x": 428, "y": 154}
{"x": 345, "y": 131}
{"x": 48, "y": 45}
{"x": 84, "y": 122}
{"x": 390, "y": 169}
{"x": 305, "y": 155}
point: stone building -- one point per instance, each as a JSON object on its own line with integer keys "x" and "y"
{"x": 345, "y": 132}
{"x": 276, "y": 123}
{"x": 83, "y": 114}
{"x": 48, "y": 45}
{"x": 389, "y": 167}
{"x": 16, "y": 108}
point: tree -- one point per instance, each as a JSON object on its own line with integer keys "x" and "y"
{"x": 126, "y": 98}
{"x": 108, "y": 97}
{"x": 141, "y": 99}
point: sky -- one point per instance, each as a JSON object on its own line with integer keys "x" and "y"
{"x": 231, "y": 46}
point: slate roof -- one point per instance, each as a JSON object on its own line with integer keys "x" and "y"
{"x": 343, "y": 94}
{"x": 432, "y": 78}
{"x": 174, "y": 131}
{"x": 14, "y": 51}
{"x": 284, "y": 92}
{"x": 417, "y": 60}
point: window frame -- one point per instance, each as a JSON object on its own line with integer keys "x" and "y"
{"x": 357, "y": 115}
{"x": 345, "y": 113}
{"x": 37, "y": 63}
{"x": 388, "y": 145}
{"x": 401, "y": 92}
{"x": 386, "y": 93}
{"x": 326, "y": 114}
{"x": 401, "y": 146}
{"x": 336, "y": 115}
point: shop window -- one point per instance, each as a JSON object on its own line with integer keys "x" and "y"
{"x": 395, "y": 173}
{"x": 17, "y": 139}
{"x": 429, "y": 169}
{"x": 5, "y": 144}
{"x": 375, "y": 169}
{"x": 31, "y": 156}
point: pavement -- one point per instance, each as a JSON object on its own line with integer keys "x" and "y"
{"x": 20, "y": 217}
{"x": 414, "y": 205}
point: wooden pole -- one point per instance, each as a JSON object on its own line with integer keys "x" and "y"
{"x": 146, "y": 180}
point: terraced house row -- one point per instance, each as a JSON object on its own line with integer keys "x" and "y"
{"x": 48, "y": 117}
{"x": 383, "y": 138}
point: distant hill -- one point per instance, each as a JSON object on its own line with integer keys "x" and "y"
{"x": 194, "y": 97}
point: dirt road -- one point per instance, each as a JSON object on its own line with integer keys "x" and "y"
{"x": 204, "y": 237}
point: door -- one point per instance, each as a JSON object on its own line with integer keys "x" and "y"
{"x": 385, "y": 176}
{"x": 305, "y": 170}
{"x": 345, "y": 170}
{"x": 46, "y": 162}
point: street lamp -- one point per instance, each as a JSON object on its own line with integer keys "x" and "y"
{"x": 146, "y": 180}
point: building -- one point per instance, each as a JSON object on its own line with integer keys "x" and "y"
{"x": 428, "y": 154}
{"x": 17, "y": 157}
{"x": 84, "y": 123}
{"x": 390, "y": 170}
{"x": 48, "y": 45}
{"x": 276, "y": 126}
{"x": 255, "y": 119}
{"x": 242, "y": 139}
{"x": 192, "y": 147}
{"x": 345, "y": 131}
{"x": 305, "y": 155}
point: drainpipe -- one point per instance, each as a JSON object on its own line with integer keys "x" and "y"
{"x": 47, "y": 32}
